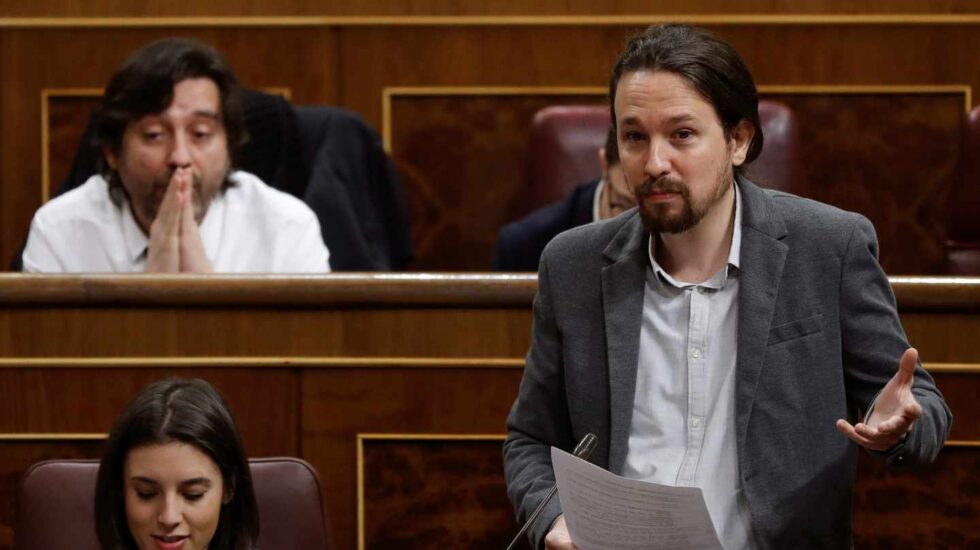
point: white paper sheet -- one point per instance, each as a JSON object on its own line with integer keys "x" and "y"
{"x": 608, "y": 512}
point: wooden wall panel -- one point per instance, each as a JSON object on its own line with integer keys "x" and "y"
{"x": 936, "y": 507}
{"x": 960, "y": 392}
{"x": 75, "y": 400}
{"x": 943, "y": 337}
{"x": 337, "y": 62}
{"x": 57, "y": 332}
{"x": 340, "y": 403}
{"x": 913, "y": 144}
{"x": 158, "y": 8}
{"x": 405, "y": 365}
{"x": 890, "y": 510}
{"x": 67, "y": 119}
{"x": 441, "y": 493}
{"x": 900, "y": 55}
{"x": 463, "y": 161}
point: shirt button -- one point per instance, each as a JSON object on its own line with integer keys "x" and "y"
{"x": 696, "y": 422}
{"x": 695, "y": 353}
{"x": 702, "y": 290}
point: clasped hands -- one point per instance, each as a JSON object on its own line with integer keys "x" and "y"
{"x": 175, "y": 239}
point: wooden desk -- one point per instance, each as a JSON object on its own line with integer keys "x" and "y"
{"x": 395, "y": 387}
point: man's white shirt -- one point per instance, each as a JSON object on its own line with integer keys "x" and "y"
{"x": 249, "y": 228}
{"x": 683, "y": 427}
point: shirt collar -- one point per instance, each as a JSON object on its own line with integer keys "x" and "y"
{"x": 734, "y": 254}
{"x": 596, "y": 199}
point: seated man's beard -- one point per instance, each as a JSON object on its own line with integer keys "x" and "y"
{"x": 658, "y": 218}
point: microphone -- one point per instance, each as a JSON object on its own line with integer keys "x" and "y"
{"x": 583, "y": 450}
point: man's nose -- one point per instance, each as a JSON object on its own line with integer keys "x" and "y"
{"x": 180, "y": 154}
{"x": 658, "y": 160}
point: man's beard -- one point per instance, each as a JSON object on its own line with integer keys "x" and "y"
{"x": 658, "y": 218}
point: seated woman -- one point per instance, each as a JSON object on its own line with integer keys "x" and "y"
{"x": 175, "y": 475}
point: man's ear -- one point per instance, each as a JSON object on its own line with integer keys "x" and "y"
{"x": 110, "y": 156}
{"x": 742, "y": 135}
{"x": 603, "y": 163}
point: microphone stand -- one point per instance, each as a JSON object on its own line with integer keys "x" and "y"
{"x": 583, "y": 450}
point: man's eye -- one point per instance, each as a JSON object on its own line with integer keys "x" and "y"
{"x": 193, "y": 496}
{"x": 152, "y": 136}
{"x": 684, "y": 134}
{"x": 634, "y": 136}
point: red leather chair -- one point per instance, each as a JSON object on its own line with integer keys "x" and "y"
{"x": 565, "y": 139}
{"x": 55, "y": 506}
{"x": 963, "y": 246}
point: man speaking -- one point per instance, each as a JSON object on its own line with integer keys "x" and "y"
{"x": 720, "y": 336}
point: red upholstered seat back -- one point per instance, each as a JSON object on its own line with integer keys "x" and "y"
{"x": 55, "y": 507}
{"x": 565, "y": 140}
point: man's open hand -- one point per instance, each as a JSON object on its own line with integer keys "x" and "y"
{"x": 894, "y": 411}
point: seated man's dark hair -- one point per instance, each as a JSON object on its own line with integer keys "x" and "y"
{"x": 144, "y": 85}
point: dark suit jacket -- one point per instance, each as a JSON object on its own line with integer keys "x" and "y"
{"x": 818, "y": 337}
{"x": 519, "y": 243}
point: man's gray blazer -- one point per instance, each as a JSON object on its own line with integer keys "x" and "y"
{"x": 818, "y": 337}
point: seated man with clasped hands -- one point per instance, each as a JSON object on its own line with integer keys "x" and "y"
{"x": 167, "y": 199}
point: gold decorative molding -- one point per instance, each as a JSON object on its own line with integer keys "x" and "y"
{"x": 264, "y": 362}
{"x": 715, "y": 19}
{"x": 48, "y": 93}
{"x": 973, "y": 444}
{"x": 389, "y": 93}
{"x": 362, "y": 437}
{"x": 952, "y": 368}
{"x": 868, "y": 89}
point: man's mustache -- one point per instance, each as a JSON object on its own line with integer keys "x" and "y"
{"x": 661, "y": 185}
